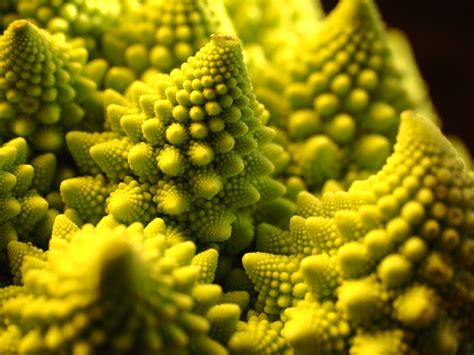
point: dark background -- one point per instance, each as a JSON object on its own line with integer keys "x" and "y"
{"x": 442, "y": 36}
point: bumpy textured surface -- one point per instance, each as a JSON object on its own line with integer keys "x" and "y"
{"x": 343, "y": 97}
{"x": 188, "y": 224}
{"x": 272, "y": 34}
{"x": 392, "y": 257}
{"x": 85, "y": 18}
{"x": 17, "y": 251}
{"x": 272, "y": 25}
{"x": 258, "y": 335}
{"x": 42, "y": 91}
{"x": 158, "y": 38}
{"x": 190, "y": 150}
{"x": 95, "y": 278}
{"x": 462, "y": 150}
{"x": 417, "y": 89}
{"x": 20, "y": 205}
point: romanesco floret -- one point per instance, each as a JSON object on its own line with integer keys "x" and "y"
{"x": 20, "y": 204}
{"x": 386, "y": 265}
{"x": 88, "y": 19}
{"x": 161, "y": 36}
{"x": 271, "y": 35}
{"x": 417, "y": 89}
{"x": 272, "y": 25}
{"x": 189, "y": 150}
{"x": 264, "y": 199}
{"x": 258, "y": 335}
{"x": 17, "y": 251}
{"x": 462, "y": 150}
{"x": 240, "y": 298}
{"x": 42, "y": 91}
{"x": 342, "y": 100}
{"x": 345, "y": 97}
{"x": 270, "y": 79}
{"x": 94, "y": 278}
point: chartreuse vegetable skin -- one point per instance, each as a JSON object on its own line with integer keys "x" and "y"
{"x": 271, "y": 26}
{"x": 20, "y": 204}
{"x": 272, "y": 34}
{"x": 343, "y": 98}
{"x": 160, "y": 37}
{"x": 416, "y": 87}
{"x": 174, "y": 236}
{"x": 115, "y": 289}
{"x": 42, "y": 91}
{"x": 258, "y": 335}
{"x": 386, "y": 266}
{"x": 87, "y": 19}
{"x": 192, "y": 151}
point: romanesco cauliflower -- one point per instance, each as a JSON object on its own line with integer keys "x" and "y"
{"x": 368, "y": 267}
{"x": 185, "y": 217}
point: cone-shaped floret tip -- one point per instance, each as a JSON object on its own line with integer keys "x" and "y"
{"x": 359, "y": 12}
{"x": 20, "y": 28}
{"x": 114, "y": 257}
{"x": 68, "y": 186}
{"x": 225, "y": 43}
{"x": 107, "y": 272}
{"x": 223, "y": 40}
{"x": 249, "y": 261}
{"x": 411, "y": 119}
{"x": 416, "y": 128}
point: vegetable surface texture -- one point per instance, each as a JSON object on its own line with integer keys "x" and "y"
{"x": 226, "y": 177}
